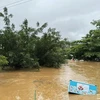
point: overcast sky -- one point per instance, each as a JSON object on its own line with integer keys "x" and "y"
{"x": 71, "y": 17}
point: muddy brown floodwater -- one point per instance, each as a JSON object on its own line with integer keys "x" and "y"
{"x": 49, "y": 83}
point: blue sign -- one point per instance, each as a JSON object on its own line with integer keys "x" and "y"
{"x": 82, "y": 88}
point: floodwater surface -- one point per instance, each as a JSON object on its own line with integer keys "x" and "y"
{"x": 49, "y": 83}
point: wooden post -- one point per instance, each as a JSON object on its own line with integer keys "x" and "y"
{"x": 35, "y": 95}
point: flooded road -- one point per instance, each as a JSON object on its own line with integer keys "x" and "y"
{"x": 49, "y": 83}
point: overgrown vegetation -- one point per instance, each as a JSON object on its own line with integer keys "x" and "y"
{"x": 24, "y": 47}
{"x": 88, "y": 48}
{"x": 3, "y": 60}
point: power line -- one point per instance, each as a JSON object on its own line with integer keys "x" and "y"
{"x": 15, "y": 4}
{"x": 10, "y": 3}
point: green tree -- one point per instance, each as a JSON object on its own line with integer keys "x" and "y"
{"x": 88, "y": 48}
{"x": 24, "y": 48}
{"x": 50, "y": 49}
